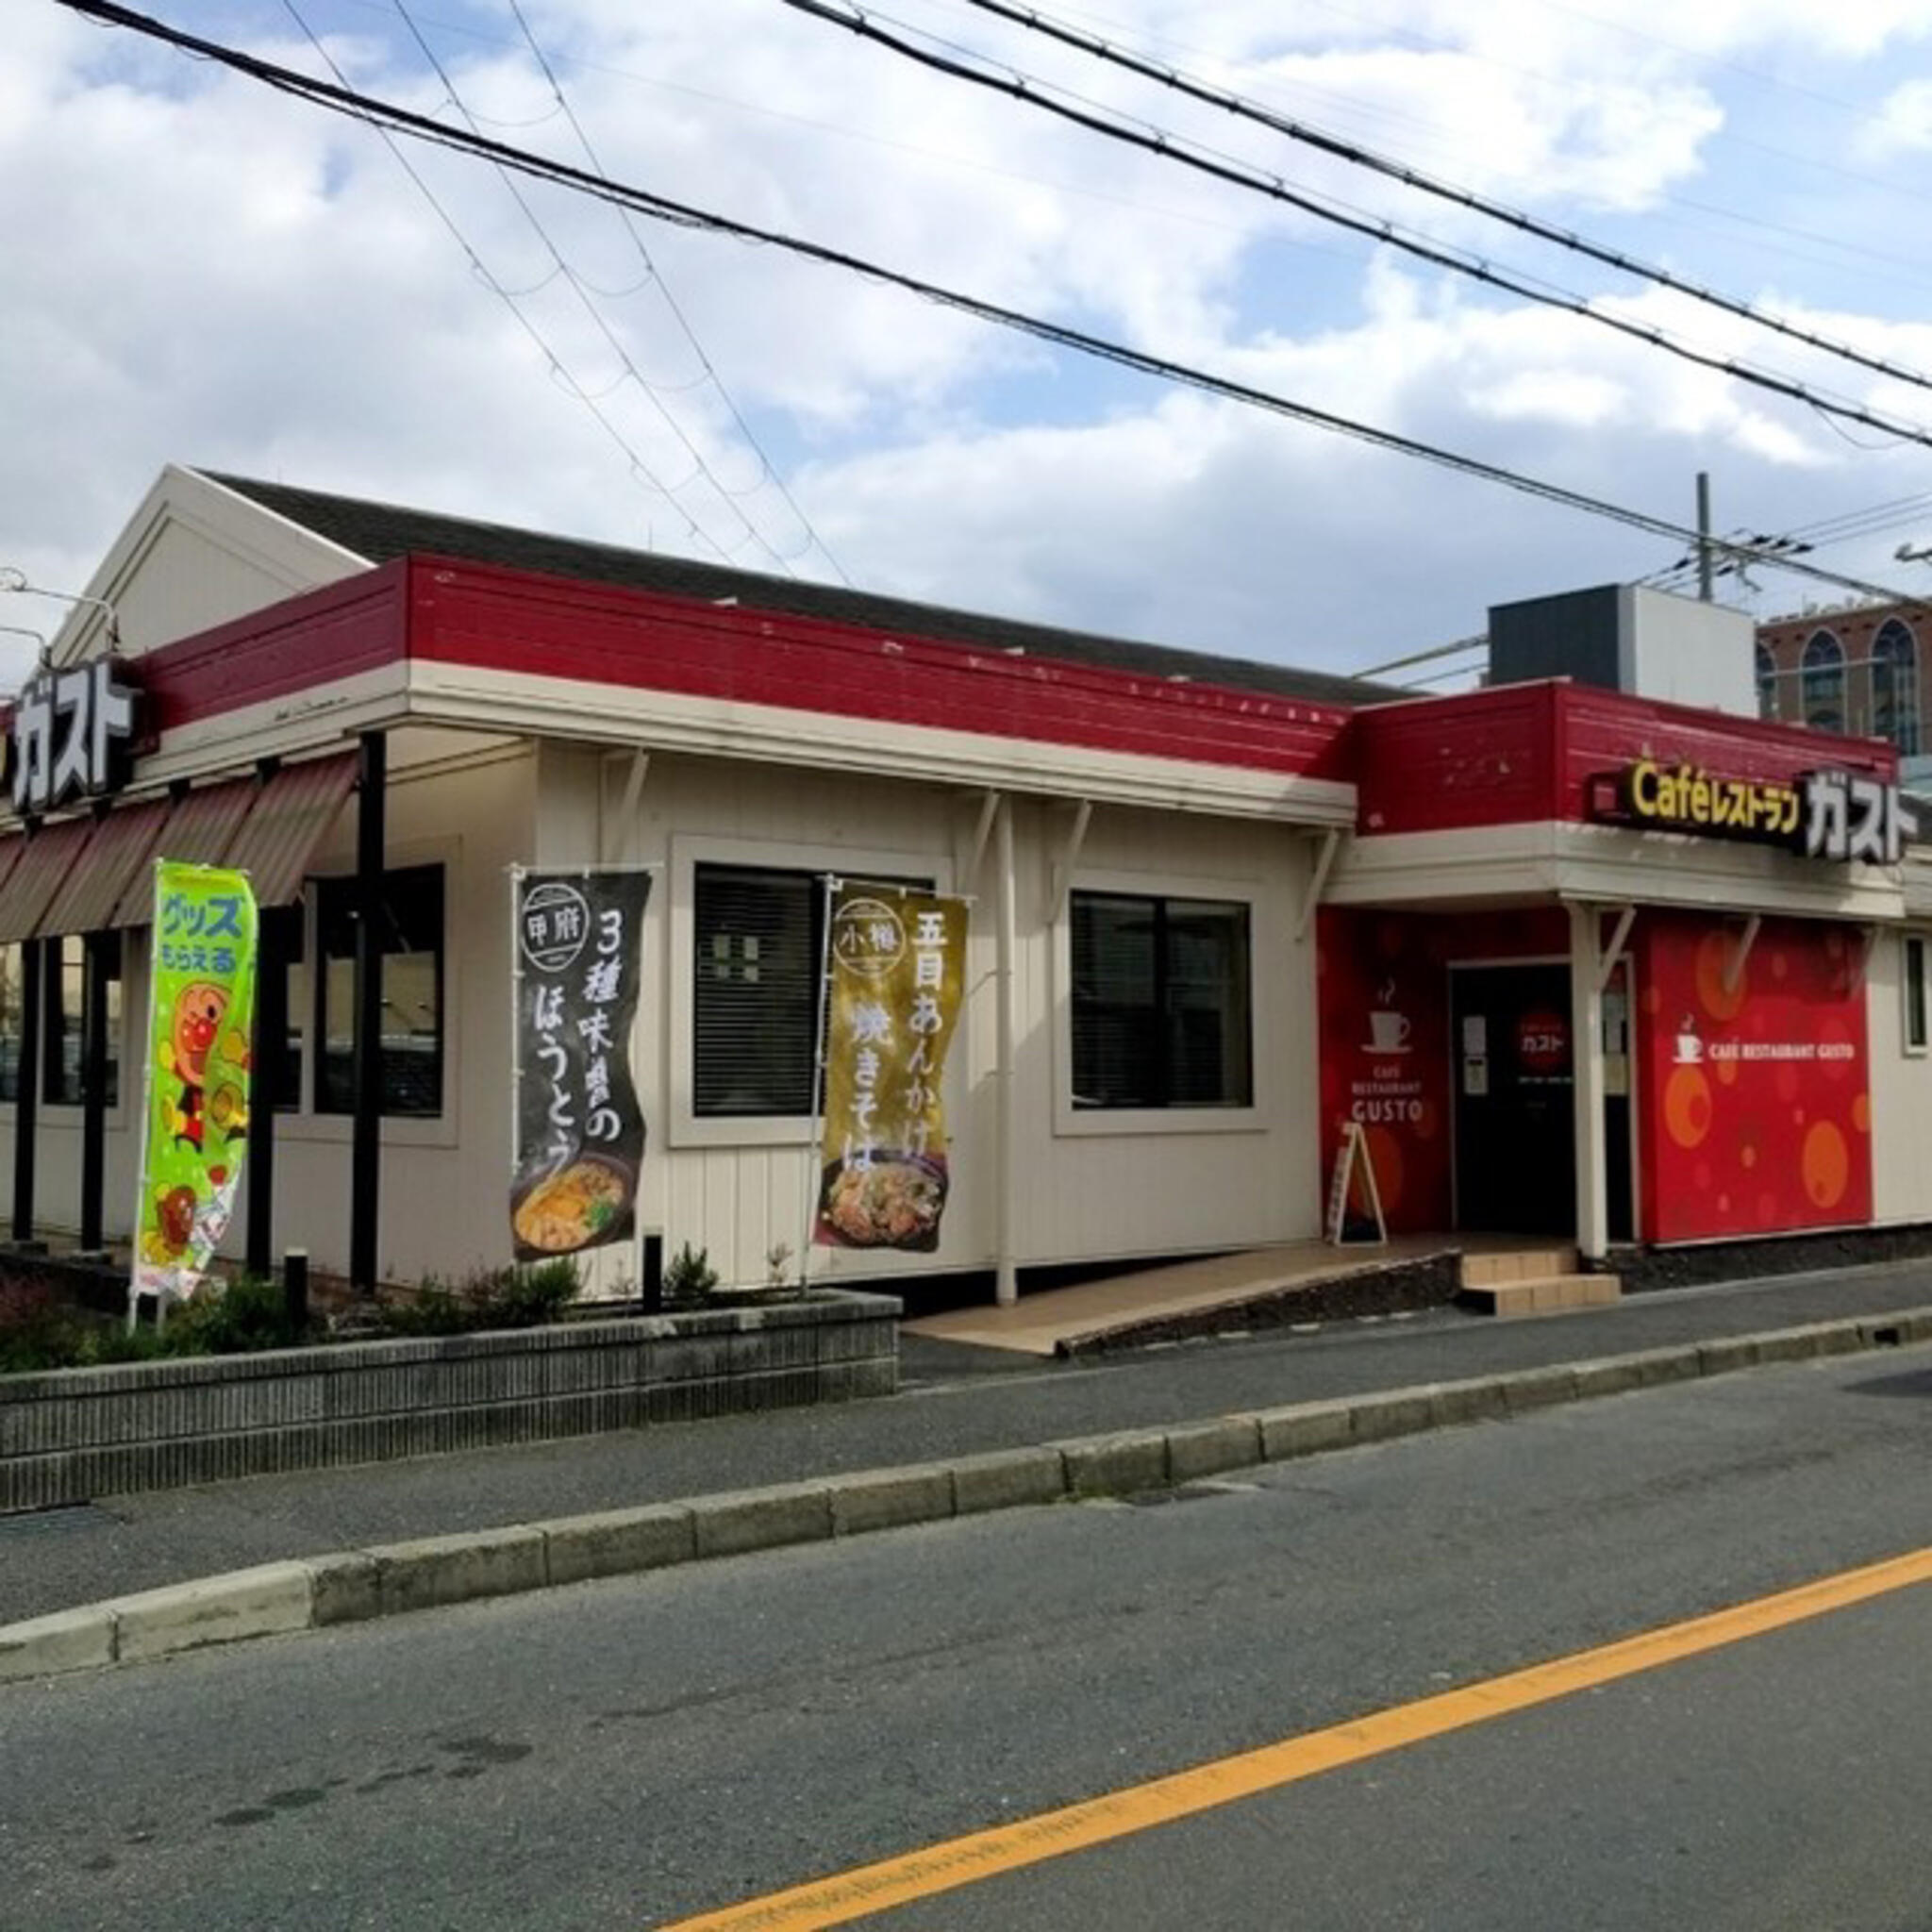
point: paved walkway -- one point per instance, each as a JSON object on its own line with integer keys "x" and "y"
{"x": 955, "y": 1400}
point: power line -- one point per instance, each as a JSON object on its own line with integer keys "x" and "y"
{"x": 377, "y": 113}
{"x": 638, "y": 469}
{"x": 1357, "y": 155}
{"x": 1033, "y": 92}
{"x": 655, "y": 276}
{"x": 704, "y": 469}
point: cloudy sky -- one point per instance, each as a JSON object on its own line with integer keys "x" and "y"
{"x": 199, "y": 269}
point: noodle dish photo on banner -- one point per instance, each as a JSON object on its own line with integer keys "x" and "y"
{"x": 894, "y": 962}
{"x": 579, "y": 1127}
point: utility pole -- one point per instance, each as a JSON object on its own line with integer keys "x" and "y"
{"x": 1704, "y": 590}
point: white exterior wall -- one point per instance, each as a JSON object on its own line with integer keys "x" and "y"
{"x": 1900, "y": 1090}
{"x": 1089, "y": 1186}
{"x": 443, "y": 1181}
{"x": 195, "y": 555}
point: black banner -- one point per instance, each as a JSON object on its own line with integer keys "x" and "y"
{"x": 580, "y": 1132}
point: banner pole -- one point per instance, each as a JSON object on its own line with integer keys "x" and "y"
{"x": 516, "y": 1035}
{"x": 147, "y": 1110}
{"x": 815, "y": 1161}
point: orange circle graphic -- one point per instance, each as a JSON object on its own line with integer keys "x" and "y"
{"x": 1727, "y": 1073}
{"x": 1827, "y": 1165}
{"x": 1713, "y": 956}
{"x": 1686, "y": 1105}
{"x": 1748, "y": 1155}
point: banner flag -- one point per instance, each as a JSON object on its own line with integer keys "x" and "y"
{"x": 579, "y": 1128}
{"x": 195, "y": 1116}
{"x": 895, "y": 964}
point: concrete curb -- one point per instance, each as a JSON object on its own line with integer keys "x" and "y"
{"x": 352, "y": 1586}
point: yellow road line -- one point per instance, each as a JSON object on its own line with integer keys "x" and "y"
{"x": 877, "y": 1887}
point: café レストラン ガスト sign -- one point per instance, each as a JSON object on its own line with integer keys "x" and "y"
{"x": 1839, "y": 816}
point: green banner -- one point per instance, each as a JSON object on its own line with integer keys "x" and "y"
{"x": 201, "y": 1011}
{"x": 895, "y": 966}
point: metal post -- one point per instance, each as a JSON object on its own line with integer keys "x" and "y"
{"x": 95, "y": 951}
{"x": 26, "y": 1108}
{"x": 296, "y": 1289}
{"x": 1705, "y": 589}
{"x": 365, "y": 1154}
{"x": 271, "y": 953}
{"x": 815, "y": 1153}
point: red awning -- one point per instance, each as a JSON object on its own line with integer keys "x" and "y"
{"x": 291, "y": 817}
{"x": 46, "y": 859}
{"x": 123, "y": 843}
{"x": 199, "y": 831}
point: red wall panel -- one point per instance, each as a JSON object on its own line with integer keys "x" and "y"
{"x": 1483, "y": 757}
{"x": 547, "y": 626}
{"x": 1757, "y": 1111}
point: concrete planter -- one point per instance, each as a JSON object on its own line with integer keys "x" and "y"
{"x": 71, "y": 1435}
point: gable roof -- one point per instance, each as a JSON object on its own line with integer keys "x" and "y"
{"x": 381, "y": 532}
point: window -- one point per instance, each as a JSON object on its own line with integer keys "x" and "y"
{"x": 411, "y": 940}
{"x": 280, "y": 1073}
{"x": 1767, "y": 684}
{"x": 1915, "y": 995}
{"x": 1823, "y": 682}
{"x": 11, "y": 1020}
{"x": 1895, "y": 687}
{"x": 1160, "y": 1001}
{"x": 754, "y": 990}
{"x": 62, "y": 1008}
{"x": 757, "y": 943}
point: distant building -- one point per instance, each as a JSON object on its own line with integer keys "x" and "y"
{"x": 1855, "y": 670}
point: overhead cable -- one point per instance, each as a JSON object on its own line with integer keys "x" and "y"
{"x": 1357, "y": 155}
{"x": 1038, "y": 94}
{"x": 387, "y": 114}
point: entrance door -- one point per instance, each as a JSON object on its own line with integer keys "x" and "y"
{"x": 1515, "y": 1128}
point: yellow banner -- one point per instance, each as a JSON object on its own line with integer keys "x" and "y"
{"x": 895, "y": 964}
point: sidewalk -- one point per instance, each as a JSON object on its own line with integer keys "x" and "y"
{"x": 954, "y": 1401}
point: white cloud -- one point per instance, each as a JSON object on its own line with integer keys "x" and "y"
{"x": 202, "y": 270}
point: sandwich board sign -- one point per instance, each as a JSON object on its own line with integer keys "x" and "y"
{"x": 1352, "y": 1158}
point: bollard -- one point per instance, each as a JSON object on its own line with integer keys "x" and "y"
{"x": 296, "y": 1289}
{"x": 651, "y": 1289}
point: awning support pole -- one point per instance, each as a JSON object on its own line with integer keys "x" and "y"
{"x": 1740, "y": 951}
{"x": 1587, "y": 1083}
{"x": 1614, "y": 951}
{"x": 1063, "y": 869}
{"x": 271, "y": 953}
{"x": 1006, "y": 1267}
{"x": 1324, "y": 860}
{"x": 982, "y": 830}
{"x": 96, "y": 948}
{"x": 25, "y": 1123}
{"x": 365, "y": 1159}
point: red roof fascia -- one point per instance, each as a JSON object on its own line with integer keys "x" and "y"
{"x": 498, "y": 619}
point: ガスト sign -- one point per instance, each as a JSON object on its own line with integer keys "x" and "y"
{"x": 73, "y": 736}
{"x": 1830, "y": 815}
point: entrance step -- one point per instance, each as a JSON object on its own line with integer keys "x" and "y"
{"x": 1540, "y": 1294}
{"x": 1491, "y": 1267}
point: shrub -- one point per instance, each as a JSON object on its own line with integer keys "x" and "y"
{"x": 689, "y": 1275}
{"x": 484, "y": 1298}
{"x": 248, "y": 1314}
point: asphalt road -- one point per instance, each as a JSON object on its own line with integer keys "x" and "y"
{"x": 636, "y": 1752}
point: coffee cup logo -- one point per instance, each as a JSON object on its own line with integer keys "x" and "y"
{"x": 1689, "y": 1047}
{"x": 1388, "y": 1032}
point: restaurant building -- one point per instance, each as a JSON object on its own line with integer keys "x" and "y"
{"x": 1601, "y": 955}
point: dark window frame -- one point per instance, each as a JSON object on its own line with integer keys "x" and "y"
{"x": 334, "y": 1069}
{"x": 796, "y": 1090}
{"x": 1104, "y": 1029}
{"x": 1917, "y": 1033}
{"x": 61, "y": 1070}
